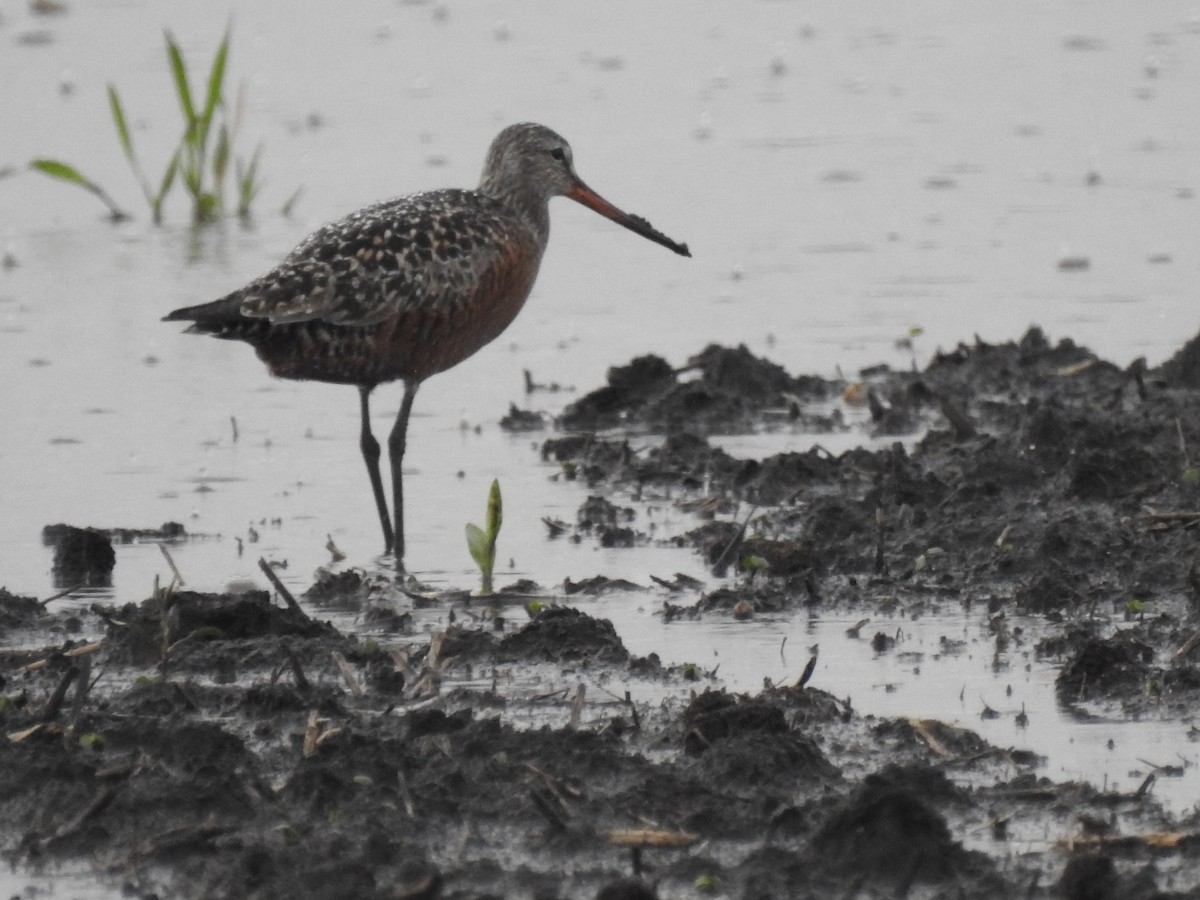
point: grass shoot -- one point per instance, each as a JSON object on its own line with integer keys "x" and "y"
{"x": 481, "y": 542}
{"x": 201, "y": 161}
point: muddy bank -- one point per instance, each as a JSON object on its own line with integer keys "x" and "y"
{"x": 1047, "y": 481}
{"x": 199, "y": 745}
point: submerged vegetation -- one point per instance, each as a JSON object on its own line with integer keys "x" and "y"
{"x": 200, "y": 161}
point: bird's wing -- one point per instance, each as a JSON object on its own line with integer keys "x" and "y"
{"x": 420, "y": 252}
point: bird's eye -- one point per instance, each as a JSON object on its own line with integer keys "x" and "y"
{"x": 558, "y": 154}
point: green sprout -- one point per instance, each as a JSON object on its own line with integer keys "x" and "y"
{"x": 201, "y": 160}
{"x": 482, "y": 541}
{"x": 752, "y": 565}
{"x": 908, "y": 343}
{"x": 71, "y": 175}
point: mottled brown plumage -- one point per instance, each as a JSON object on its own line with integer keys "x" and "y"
{"x": 407, "y": 288}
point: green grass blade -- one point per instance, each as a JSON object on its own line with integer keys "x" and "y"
{"x": 495, "y": 511}
{"x": 63, "y": 172}
{"x": 126, "y": 139}
{"x": 192, "y": 177}
{"x": 182, "y": 88}
{"x": 477, "y": 544}
{"x": 164, "y": 187}
{"x": 118, "y": 114}
{"x": 168, "y": 177}
{"x": 247, "y": 182}
{"x": 289, "y": 205}
{"x": 220, "y": 164}
{"x": 216, "y": 81}
{"x": 208, "y": 205}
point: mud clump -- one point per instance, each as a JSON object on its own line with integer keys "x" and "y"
{"x": 562, "y": 634}
{"x": 82, "y": 556}
{"x": 1116, "y": 666}
{"x": 887, "y": 834}
{"x": 718, "y": 389}
{"x": 17, "y": 611}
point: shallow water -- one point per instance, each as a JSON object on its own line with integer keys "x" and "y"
{"x": 842, "y": 173}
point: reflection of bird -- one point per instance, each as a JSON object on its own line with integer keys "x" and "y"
{"x": 408, "y": 288}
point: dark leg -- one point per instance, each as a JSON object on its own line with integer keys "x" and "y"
{"x": 396, "y": 451}
{"x": 370, "y": 452}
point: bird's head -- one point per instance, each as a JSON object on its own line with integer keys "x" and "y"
{"x": 532, "y": 161}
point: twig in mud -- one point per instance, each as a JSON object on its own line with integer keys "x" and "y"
{"x": 63, "y": 593}
{"x": 233, "y": 424}
{"x": 313, "y": 737}
{"x": 103, "y": 797}
{"x": 400, "y": 659}
{"x": 649, "y": 837}
{"x": 963, "y": 427}
{"x": 184, "y": 836}
{"x": 637, "y": 724}
{"x": 1076, "y": 369}
{"x": 546, "y": 808}
{"x": 54, "y": 704}
{"x": 82, "y": 689}
{"x": 1137, "y": 371}
{"x": 70, "y": 654}
{"x": 880, "y": 533}
{"x": 1151, "y": 515}
{"x": 1166, "y": 771}
{"x": 577, "y": 705}
{"x": 810, "y": 667}
{"x": 312, "y": 731}
{"x": 555, "y": 786}
{"x": 1183, "y": 450}
{"x": 560, "y": 694}
{"x": 335, "y": 552}
{"x": 283, "y": 591}
{"x": 722, "y": 563}
{"x": 170, "y": 562}
{"x": 297, "y": 671}
{"x": 1188, "y": 646}
{"x": 405, "y": 794}
{"x": 1003, "y": 539}
{"x": 347, "y": 673}
{"x": 162, "y": 599}
{"x": 1162, "y": 840}
{"x": 1144, "y": 787}
{"x": 922, "y": 729}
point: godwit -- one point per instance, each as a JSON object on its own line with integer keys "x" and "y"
{"x": 408, "y": 288}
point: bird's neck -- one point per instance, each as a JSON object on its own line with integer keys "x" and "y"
{"x": 531, "y": 208}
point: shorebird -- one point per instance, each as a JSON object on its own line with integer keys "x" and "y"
{"x": 407, "y": 288}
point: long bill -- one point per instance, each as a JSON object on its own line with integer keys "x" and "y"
{"x": 581, "y": 193}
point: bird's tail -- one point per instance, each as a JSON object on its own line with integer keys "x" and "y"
{"x": 220, "y": 318}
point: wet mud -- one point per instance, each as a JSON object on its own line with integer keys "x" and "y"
{"x": 200, "y": 745}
